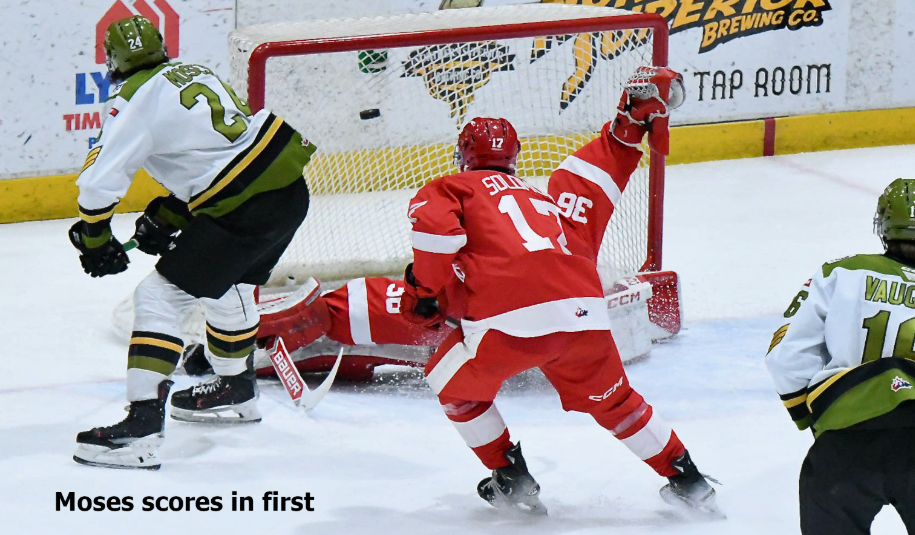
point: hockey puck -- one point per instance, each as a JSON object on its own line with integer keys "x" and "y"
{"x": 373, "y": 113}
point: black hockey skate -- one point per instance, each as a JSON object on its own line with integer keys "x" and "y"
{"x": 130, "y": 444}
{"x": 690, "y": 488}
{"x": 221, "y": 400}
{"x": 512, "y": 486}
{"x": 195, "y": 362}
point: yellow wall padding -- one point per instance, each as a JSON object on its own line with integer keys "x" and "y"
{"x": 848, "y": 130}
{"x": 720, "y": 141}
{"x": 54, "y": 197}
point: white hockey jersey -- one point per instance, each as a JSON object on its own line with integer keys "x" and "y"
{"x": 181, "y": 124}
{"x": 846, "y": 353}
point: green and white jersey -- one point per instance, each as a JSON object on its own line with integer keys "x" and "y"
{"x": 191, "y": 132}
{"x": 846, "y": 354}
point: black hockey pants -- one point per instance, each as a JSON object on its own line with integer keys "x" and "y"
{"x": 243, "y": 246}
{"x": 849, "y": 475}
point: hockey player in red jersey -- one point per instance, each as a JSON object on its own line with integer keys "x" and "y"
{"x": 586, "y": 187}
{"x": 530, "y": 303}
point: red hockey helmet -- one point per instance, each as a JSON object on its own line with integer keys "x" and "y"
{"x": 487, "y": 143}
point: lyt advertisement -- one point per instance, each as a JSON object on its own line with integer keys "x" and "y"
{"x": 741, "y": 59}
{"x": 52, "y": 112}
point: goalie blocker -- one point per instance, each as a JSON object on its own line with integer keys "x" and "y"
{"x": 364, "y": 315}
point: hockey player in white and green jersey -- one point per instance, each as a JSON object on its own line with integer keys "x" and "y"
{"x": 844, "y": 366}
{"x": 237, "y": 198}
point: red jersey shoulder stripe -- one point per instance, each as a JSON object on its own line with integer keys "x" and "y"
{"x": 595, "y": 174}
{"x": 435, "y": 243}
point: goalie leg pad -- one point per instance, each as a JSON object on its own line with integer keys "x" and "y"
{"x": 300, "y": 318}
{"x": 665, "y": 307}
{"x": 656, "y": 297}
{"x": 627, "y": 307}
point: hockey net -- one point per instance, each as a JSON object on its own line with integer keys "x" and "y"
{"x": 384, "y": 98}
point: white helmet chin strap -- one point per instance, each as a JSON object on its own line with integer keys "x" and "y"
{"x": 458, "y": 158}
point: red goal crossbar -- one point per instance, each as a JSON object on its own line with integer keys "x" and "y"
{"x": 257, "y": 66}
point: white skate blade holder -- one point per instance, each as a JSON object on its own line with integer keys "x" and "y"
{"x": 292, "y": 380}
{"x": 137, "y": 455}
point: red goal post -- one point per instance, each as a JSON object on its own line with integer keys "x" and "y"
{"x": 555, "y": 25}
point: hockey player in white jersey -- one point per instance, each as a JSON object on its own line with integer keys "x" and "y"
{"x": 238, "y": 196}
{"x": 844, "y": 366}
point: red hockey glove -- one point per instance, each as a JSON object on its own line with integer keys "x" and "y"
{"x": 418, "y": 305}
{"x": 645, "y": 106}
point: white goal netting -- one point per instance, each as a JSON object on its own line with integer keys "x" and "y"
{"x": 384, "y": 98}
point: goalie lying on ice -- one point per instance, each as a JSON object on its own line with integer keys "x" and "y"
{"x": 365, "y": 315}
{"x": 587, "y": 187}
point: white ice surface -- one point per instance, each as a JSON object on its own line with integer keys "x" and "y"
{"x": 382, "y": 459}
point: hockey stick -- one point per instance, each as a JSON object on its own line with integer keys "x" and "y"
{"x": 292, "y": 380}
{"x": 289, "y": 375}
{"x": 311, "y": 398}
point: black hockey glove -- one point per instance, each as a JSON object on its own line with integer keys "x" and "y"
{"x": 99, "y": 256}
{"x": 419, "y": 310}
{"x": 160, "y": 222}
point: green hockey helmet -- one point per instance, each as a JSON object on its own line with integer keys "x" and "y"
{"x": 132, "y": 45}
{"x": 895, "y": 217}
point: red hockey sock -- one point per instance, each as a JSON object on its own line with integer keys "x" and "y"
{"x": 482, "y": 429}
{"x": 662, "y": 461}
{"x": 645, "y": 433}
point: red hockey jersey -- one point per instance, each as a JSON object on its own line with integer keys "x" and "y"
{"x": 587, "y": 187}
{"x": 367, "y": 312}
{"x": 504, "y": 239}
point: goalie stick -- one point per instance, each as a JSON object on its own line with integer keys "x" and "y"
{"x": 292, "y": 380}
{"x": 289, "y": 375}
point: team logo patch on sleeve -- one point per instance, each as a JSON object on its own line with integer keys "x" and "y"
{"x": 91, "y": 157}
{"x": 777, "y": 337}
{"x": 899, "y": 383}
{"x": 413, "y": 208}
